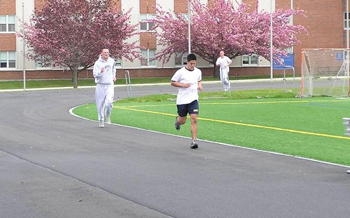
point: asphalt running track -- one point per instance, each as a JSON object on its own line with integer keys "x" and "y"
{"x": 53, "y": 164}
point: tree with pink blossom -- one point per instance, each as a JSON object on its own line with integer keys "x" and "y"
{"x": 225, "y": 26}
{"x": 72, "y": 33}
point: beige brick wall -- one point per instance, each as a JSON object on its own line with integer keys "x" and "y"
{"x": 147, "y": 6}
{"x": 7, "y": 7}
{"x": 210, "y": 2}
{"x": 324, "y": 23}
{"x": 39, "y": 4}
{"x": 117, "y": 4}
{"x": 8, "y": 42}
{"x": 148, "y": 40}
{"x": 181, "y": 6}
{"x": 252, "y": 4}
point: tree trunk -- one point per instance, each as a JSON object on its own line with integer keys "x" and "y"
{"x": 215, "y": 72}
{"x": 75, "y": 78}
{"x": 215, "y": 68}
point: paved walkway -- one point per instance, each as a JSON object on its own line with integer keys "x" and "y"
{"x": 53, "y": 164}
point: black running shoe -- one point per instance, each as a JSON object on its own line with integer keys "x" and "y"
{"x": 194, "y": 144}
{"x": 177, "y": 125}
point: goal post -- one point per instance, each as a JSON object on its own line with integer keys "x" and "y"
{"x": 324, "y": 72}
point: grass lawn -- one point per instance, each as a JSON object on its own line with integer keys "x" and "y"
{"x": 278, "y": 122}
{"x": 30, "y": 84}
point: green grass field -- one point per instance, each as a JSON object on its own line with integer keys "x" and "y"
{"x": 30, "y": 84}
{"x": 309, "y": 127}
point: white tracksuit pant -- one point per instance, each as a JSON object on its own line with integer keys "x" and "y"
{"x": 224, "y": 77}
{"x": 104, "y": 95}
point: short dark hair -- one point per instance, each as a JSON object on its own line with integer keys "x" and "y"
{"x": 191, "y": 57}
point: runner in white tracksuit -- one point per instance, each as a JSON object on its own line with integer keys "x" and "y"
{"x": 105, "y": 76}
{"x": 224, "y": 62}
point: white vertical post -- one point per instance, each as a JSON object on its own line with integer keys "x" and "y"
{"x": 189, "y": 26}
{"x": 24, "y": 51}
{"x": 347, "y": 24}
{"x": 271, "y": 43}
{"x": 347, "y": 43}
{"x": 292, "y": 18}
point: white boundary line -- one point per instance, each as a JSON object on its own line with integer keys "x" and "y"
{"x": 219, "y": 143}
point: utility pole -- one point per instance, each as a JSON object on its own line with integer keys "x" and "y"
{"x": 24, "y": 50}
{"x": 271, "y": 43}
{"x": 189, "y": 26}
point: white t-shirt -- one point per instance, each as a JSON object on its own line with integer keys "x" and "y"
{"x": 223, "y": 61}
{"x": 187, "y": 95}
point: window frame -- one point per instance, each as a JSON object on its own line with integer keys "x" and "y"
{"x": 147, "y": 58}
{"x": 143, "y": 20}
{"x": 183, "y": 59}
{"x": 38, "y": 64}
{"x": 8, "y": 61}
{"x": 249, "y": 64}
{"x": 7, "y": 24}
{"x": 346, "y": 20}
{"x": 118, "y": 63}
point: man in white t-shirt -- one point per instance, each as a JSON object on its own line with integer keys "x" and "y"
{"x": 188, "y": 80}
{"x": 224, "y": 63}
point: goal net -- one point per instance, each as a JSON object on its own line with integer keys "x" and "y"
{"x": 324, "y": 72}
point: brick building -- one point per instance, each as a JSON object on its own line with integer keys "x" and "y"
{"x": 325, "y": 23}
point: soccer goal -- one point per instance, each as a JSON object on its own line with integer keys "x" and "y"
{"x": 324, "y": 72}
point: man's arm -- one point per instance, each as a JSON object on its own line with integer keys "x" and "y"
{"x": 180, "y": 85}
{"x": 114, "y": 71}
{"x": 97, "y": 71}
{"x": 229, "y": 62}
{"x": 200, "y": 87}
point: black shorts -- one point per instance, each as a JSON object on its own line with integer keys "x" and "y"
{"x": 191, "y": 108}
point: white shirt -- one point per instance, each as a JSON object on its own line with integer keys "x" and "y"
{"x": 223, "y": 61}
{"x": 187, "y": 95}
{"x": 105, "y": 78}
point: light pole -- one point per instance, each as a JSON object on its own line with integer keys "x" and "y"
{"x": 189, "y": 26}
{"x": 347, "y": 44}
{"x": 24, "y": 51}
{"x": 271, "y": 43}
{"x": 292, "y": 20}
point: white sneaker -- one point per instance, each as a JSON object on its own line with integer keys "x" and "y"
{"x": 108, "y": 120}
{"x": 101, "y": 124}
{"x": 194, "y": 144}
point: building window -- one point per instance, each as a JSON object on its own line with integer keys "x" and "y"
{"x": 8, "y": 59}
{"x": 248, "y": 60}
{"x": 7, "y": 23}
{"x": 38, "y": 64}
{"x": 118, "y": 62}
{"x": 3, "y": 59}
{"x": 42, "y": 62}
{"x": 346, "y": 21}
{"x": 3, "y": 23}
{"x": 180, "y": 60}
{"x": 145, "y": 24}
{"x": 147, "y": 57}
{"x": 186, "y": 16}
{"x": 12, "y": 59}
